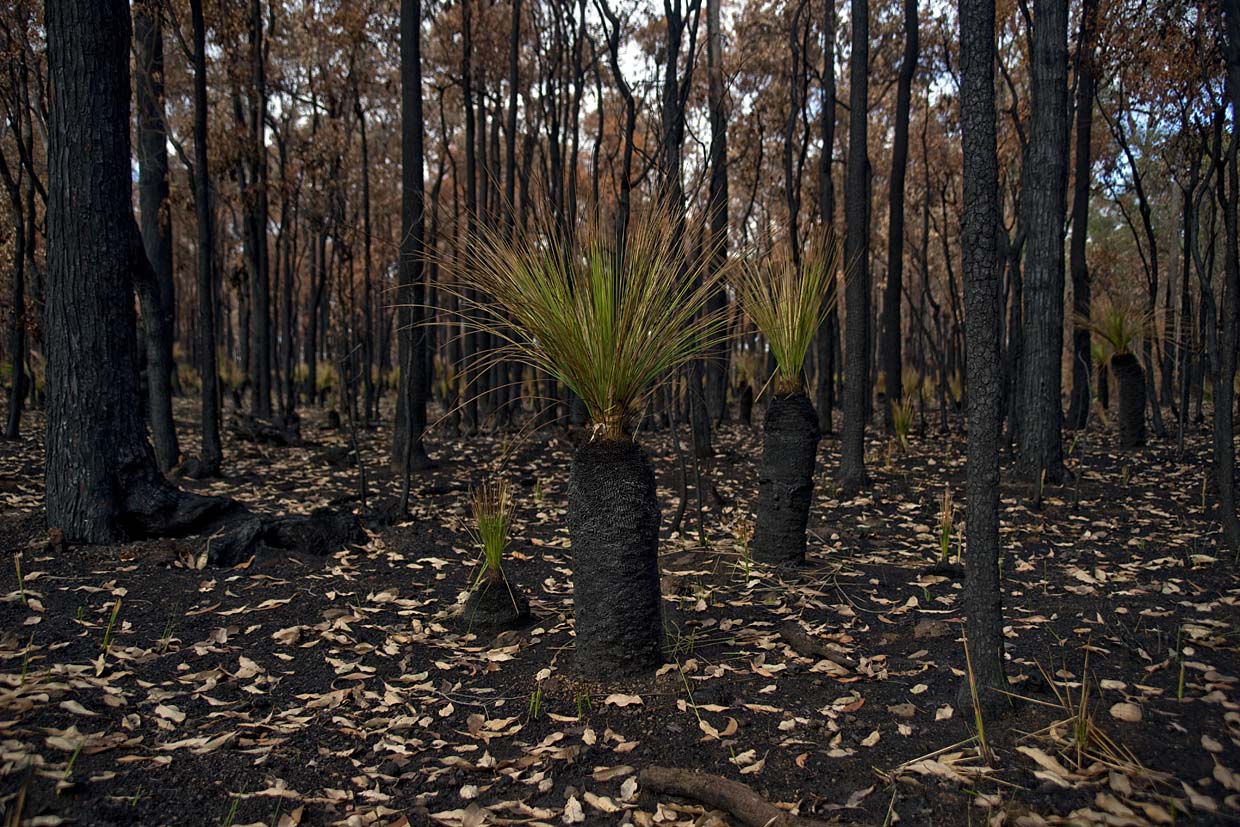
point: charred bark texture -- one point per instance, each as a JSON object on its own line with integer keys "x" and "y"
{"x": 1130, "y": 380}
{"x": 156, "y": 293}
{"x": 613, "y": 523}
{"x": 856, "y": 260}
{"x": 102, "y": 481}
{"x": 982, "y": 599}
{"x": 212, "y": 452}
{"x": 785, "y": 480}
{"x": 891, "y": 357}
{"x": 408, "y": 451}
{"x": 495, "y": 604}
{"x": 1041, "y": 443}
{"x": 828, "y": 330}
{"x": 1082, "y": 360}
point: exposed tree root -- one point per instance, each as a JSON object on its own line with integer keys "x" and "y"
{"x": 811, "y": 647}
{"x": 733, "y": 797}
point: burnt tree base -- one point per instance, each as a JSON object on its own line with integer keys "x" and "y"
{"x": 280, "y": 431}
{"x": 1130, "y": 380}
{"x": 495, "y": 604}
{"x": 155, "y": 508}
{"x": 785, "y": 480}
{"x": 245, "y": 535}
{"x": 613, "y": 523}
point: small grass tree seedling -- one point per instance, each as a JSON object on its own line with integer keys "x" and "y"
{"x": 492, "y": 508}
{"x": 111, "y": 628}
{"x": 902, "y": 411}
{"x": 21, "y": 583}
{"x": 947, "y": 523}
{"x": 535, "y": 705}
{"x": 1179, "y": 655}
{"x": 493, "y": 600}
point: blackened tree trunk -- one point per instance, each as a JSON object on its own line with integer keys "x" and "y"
{"x": 856, "y": 261}
{"x": 613, "y": 524}
{"x": 680, "y": 18}
{"x": 716, "y": 374}
{"x": 17, "y": 313}
{"x": 1082, "y": 359}
{"x": 624, "y": 196}
{"x": 102, "y": 481}
{"x": 408, "y": 451}
{"x": 156, "y": 297}
{"x": 471, "y": 341}
{"x": 798, "y": 82}
{"x": 983, "y": 591}
{"x": 1041, "y": 442}
{"x": 1225, "y": 370}
{"x": 1130, "y": 381}
{"x": 785, "y": 479}
{"x": 368, "y": 324}
{"x": 890, "y": 357}
{"x": 256, "y": 222}
{"x": 510, "y": 132}
{"x": 212, "y": 453}
{"x": 828, "y": 330}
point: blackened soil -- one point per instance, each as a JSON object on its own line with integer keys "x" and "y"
{"x": 342, "y": 690}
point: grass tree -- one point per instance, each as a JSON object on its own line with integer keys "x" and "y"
{"x": 494, "y": 602}
{"x": 609, "y": 318}
{"x": 1123, "y": 329}
{"x": 787, "y": 300}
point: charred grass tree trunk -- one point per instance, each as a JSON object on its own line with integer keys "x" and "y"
{"x": 496, "y": 603}
{"x": 613, "y": 523}
{"x": 785, "y": 479}
{"x": 1130, "y": 381}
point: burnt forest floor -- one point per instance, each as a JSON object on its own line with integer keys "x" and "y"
{"x": 138, "y": 686}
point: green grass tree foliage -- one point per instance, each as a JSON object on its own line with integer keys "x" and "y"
{"x": 494, "y": 601}
{"x": 610, "y": 318}
{"x": 788, "y": 296}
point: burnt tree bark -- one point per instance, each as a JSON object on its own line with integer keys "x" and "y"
{"x": 156, "y": 295}
{"x": 1082, "y": 359}
{"x": 1225, "y": 369}
{"x": 613, "y": 525}
{"x": 255, "y": 238}
{"x": 1130, "y": 382}
{"x": 890, "y": 357}
{"x": 716, "y": 373}
{"x": 983, "y": 591}
{"x": 17, "y": 313}
{"x": 785, "y": 479}
{"x": 828, "y": 330}
{"x": 102, "y": 481}
{"x": 212, "y": 453}
{"x": 408, "y": 450}
{"x": 856, "y": 261}
{"x": 1041, "y": 441}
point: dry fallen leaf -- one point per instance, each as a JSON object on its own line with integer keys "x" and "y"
{"x": 617, "y": 699}
{"x": 573, "y": 814}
